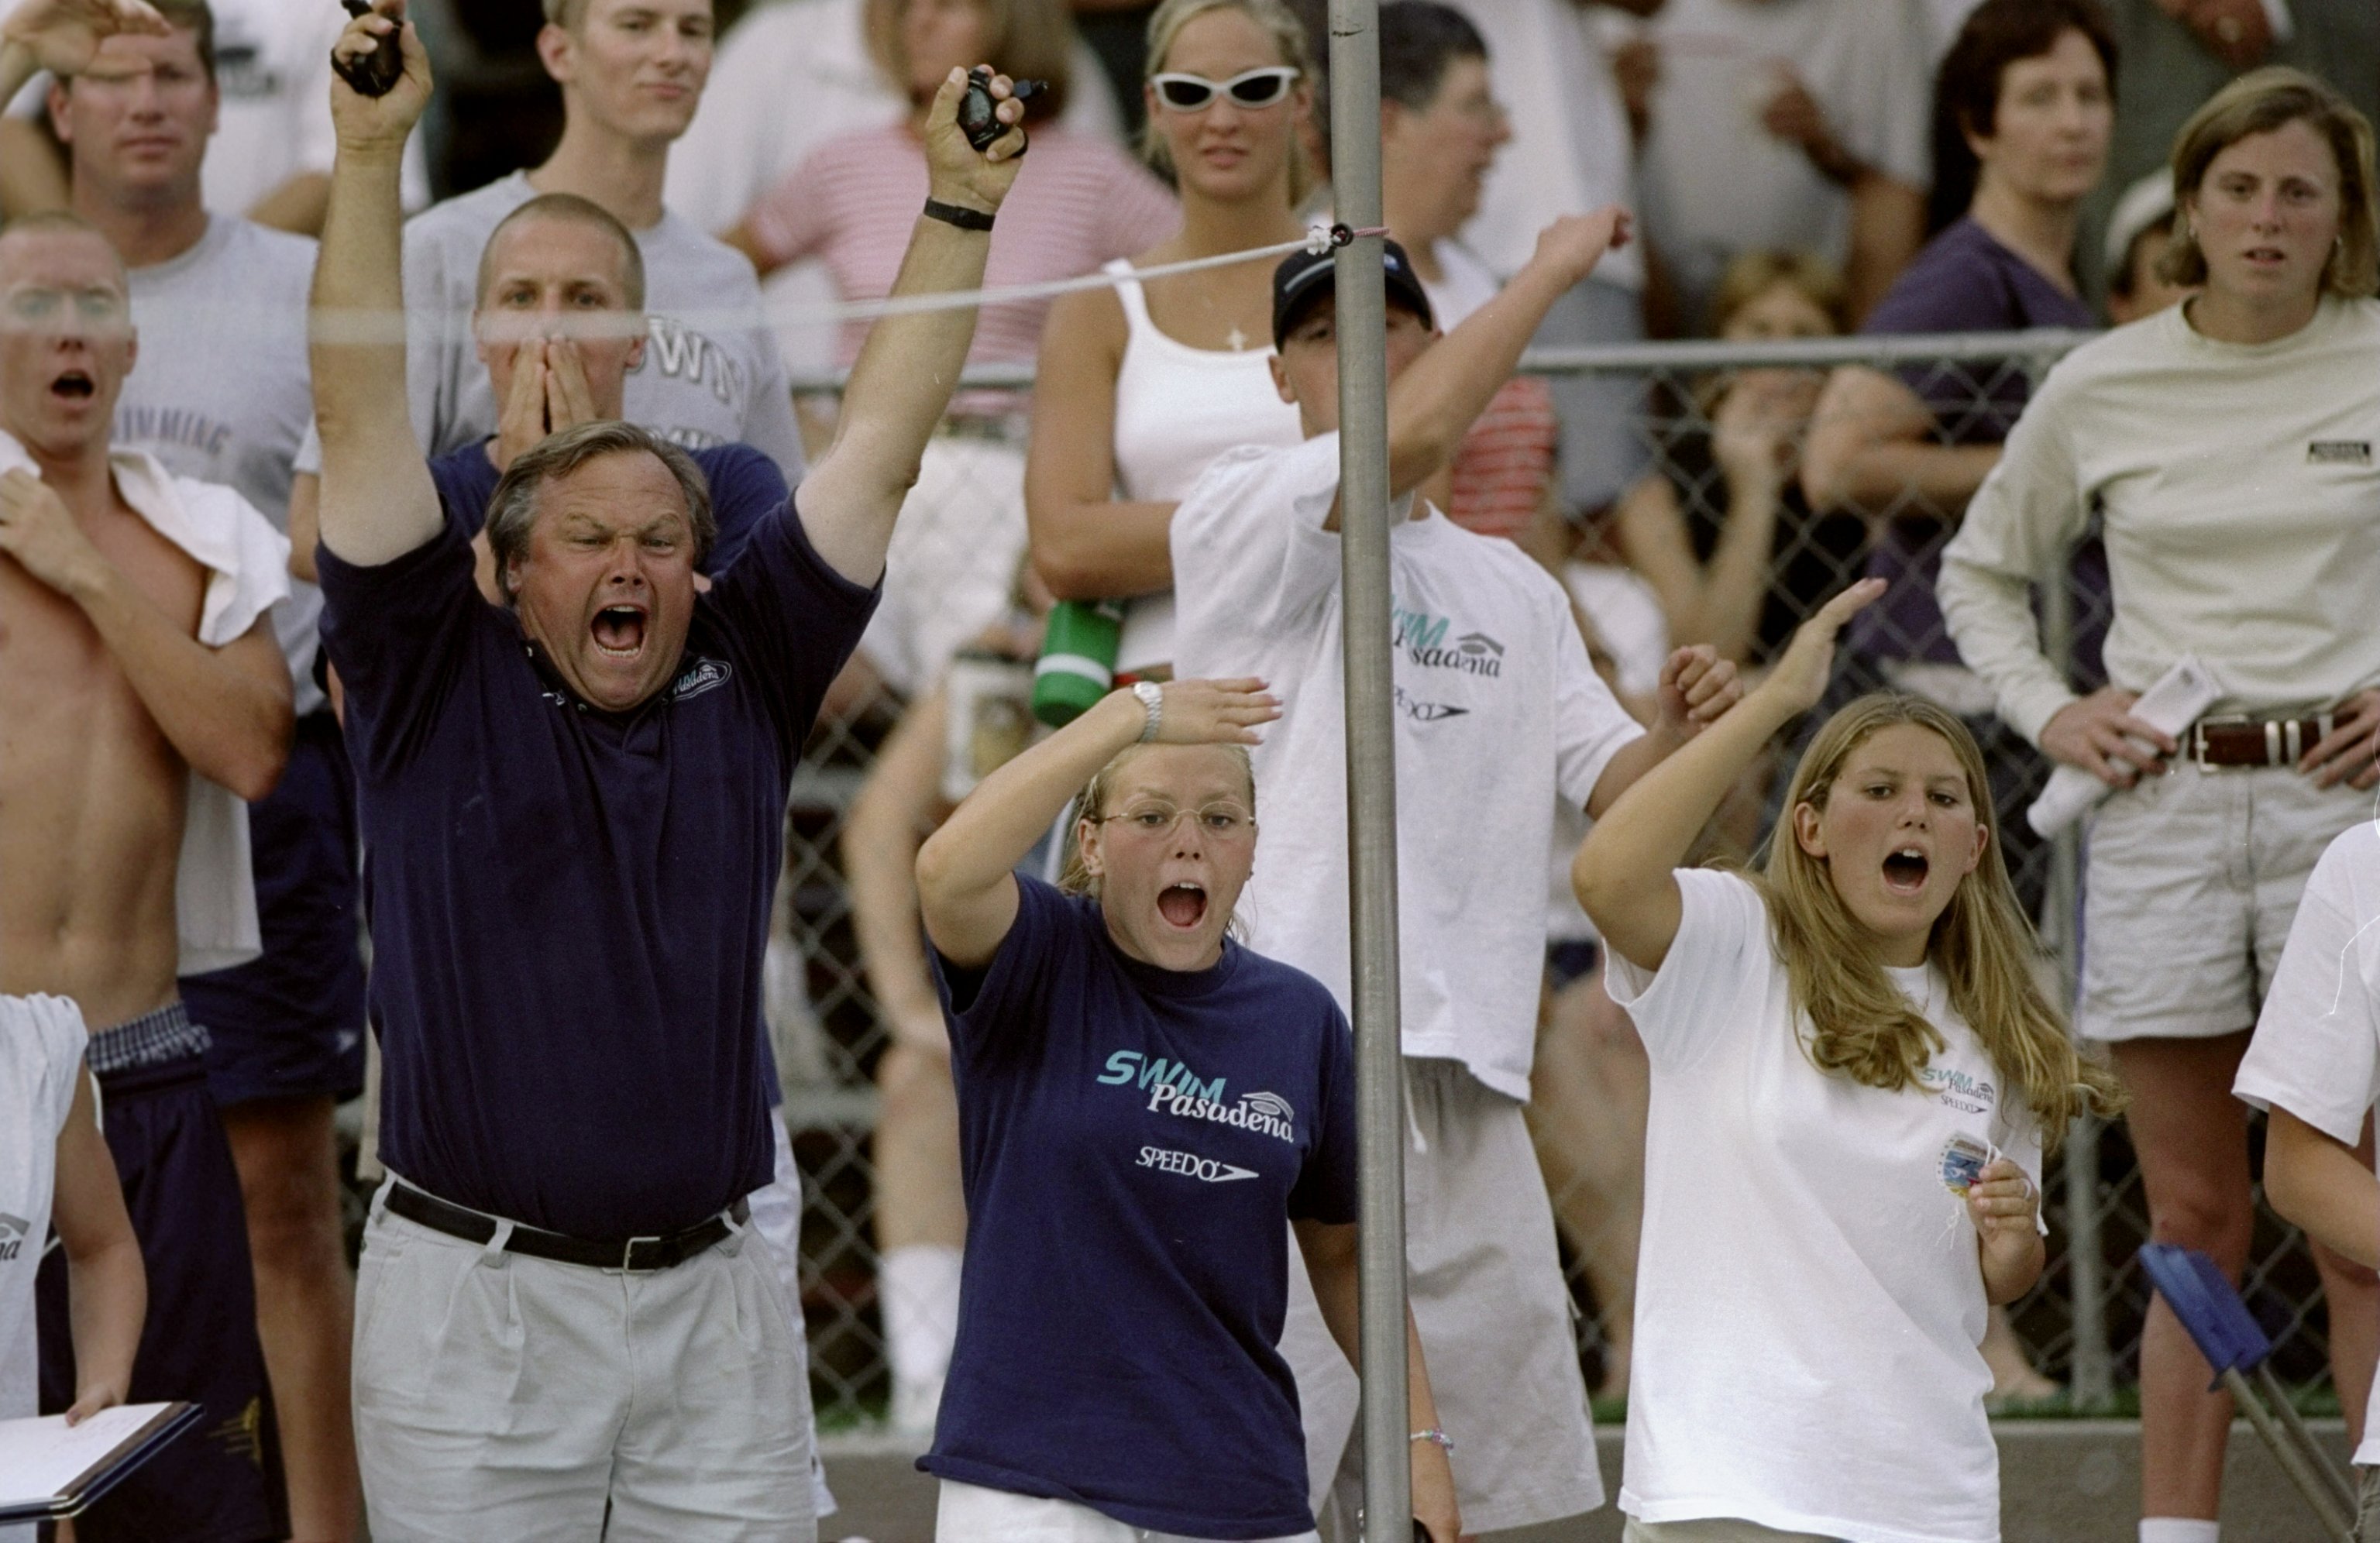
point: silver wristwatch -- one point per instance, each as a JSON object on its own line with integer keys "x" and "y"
{"x": 1152, "y": 699}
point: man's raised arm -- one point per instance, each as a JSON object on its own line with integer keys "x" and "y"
{"x": 910, "y": 365}
{"x": 377, "y": 500}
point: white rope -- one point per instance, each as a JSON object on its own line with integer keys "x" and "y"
{"x": 356, "y": 325}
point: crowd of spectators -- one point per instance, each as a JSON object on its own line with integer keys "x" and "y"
{"x": 716, "y": 181}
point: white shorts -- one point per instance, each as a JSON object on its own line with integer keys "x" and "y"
{"x": 1711, "y": 1529}
{"x": 971, "y": 1514}
{"x": 498, "y": 1395}
{"x": 2190, "y": 886}
{"x": 1495, "y": 1317}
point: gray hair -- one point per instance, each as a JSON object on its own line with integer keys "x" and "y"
{"x": 512, "y": 508}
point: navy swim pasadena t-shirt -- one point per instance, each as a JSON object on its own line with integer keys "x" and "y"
{"x": 568, "y": 905}
{"x": 745, "y": 486}
{"x": 1132, "y": 1140}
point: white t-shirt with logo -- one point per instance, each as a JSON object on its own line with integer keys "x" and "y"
{"x": 1498, "y": 714}
{"x": 2317, "y": 1049}
{"x": 1808, "y": 1296}
{"x": 42, "y": 1043}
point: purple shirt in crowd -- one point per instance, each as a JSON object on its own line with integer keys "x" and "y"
{"x": 1964, "y": 281}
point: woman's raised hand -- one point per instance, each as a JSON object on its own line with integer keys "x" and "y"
{"x": 1215, "y": 711}
{"x": 1808, "y": 662}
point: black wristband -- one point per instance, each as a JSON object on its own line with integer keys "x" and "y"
{"x": 957, "y": 214}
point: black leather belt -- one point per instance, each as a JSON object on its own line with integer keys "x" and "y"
{"x": 634, "y": 1255}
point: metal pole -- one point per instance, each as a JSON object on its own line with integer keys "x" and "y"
{"x": 2093, "y": 1376}
{"x": 1371, "y": 762}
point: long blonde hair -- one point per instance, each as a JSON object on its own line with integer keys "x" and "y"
{"x": 1288, "y": 34}
{"x": 1860, "y": 1024}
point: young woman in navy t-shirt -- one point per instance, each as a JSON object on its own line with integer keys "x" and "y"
{"x": 1142, "y": 1102}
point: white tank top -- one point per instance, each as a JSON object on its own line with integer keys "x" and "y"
{"x": 1177, "y": 408}
{"x": 42, "y": 1044}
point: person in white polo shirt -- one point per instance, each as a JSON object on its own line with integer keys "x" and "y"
{"x": 1499, "y": 719}
{"x": 2227, "y": 446}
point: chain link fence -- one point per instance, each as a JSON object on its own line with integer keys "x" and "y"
{"x": 2080, "y": 1326}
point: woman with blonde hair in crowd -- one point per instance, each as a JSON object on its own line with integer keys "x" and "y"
{"x": 1147, "y": 1111}
{"x": 853, "y": 202}
{"x": 1855, "y": 1074}
{"x": 1142, "y": 386}
{"x": 2224, "y": 446}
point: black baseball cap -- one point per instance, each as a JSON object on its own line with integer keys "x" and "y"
{"x": 1305, "y": 278}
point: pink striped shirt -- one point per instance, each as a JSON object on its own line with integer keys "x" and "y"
{"x": 1506, "y": 461}
{"x": 1077, "y": 203}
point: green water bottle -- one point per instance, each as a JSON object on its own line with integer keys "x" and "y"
{"x": 1078, "y": 658}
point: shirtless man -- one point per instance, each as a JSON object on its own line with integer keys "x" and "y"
{"x": 142, "y": 690}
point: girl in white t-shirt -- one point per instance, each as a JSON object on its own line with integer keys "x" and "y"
{"x": 1853, "y": 1073}
{"x": 55, "y": 1168}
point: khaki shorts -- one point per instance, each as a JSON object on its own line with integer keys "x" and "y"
{"x": 1494, "y": 1313}
{"x": 2192, "y": 881}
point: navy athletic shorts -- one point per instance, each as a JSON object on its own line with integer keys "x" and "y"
{"x": 291, "y": 1024}
{"x": 222, "y": 1482}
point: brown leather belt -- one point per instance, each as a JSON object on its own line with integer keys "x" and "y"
{"x": 2214, "y": 742}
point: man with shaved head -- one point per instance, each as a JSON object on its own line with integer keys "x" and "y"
{"x": 631, "y": 74}
{"x": 142, "y": 694}
{"x": 575, "y": 804}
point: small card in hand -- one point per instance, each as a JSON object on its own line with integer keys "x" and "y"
{"x": 1963, "y": 1158}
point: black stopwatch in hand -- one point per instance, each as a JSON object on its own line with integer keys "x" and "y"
{"x": 376, "y": 73}
{"x": 978, "y": 113}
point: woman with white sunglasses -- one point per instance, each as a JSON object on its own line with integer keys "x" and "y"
{"x": 1141, "y": 387}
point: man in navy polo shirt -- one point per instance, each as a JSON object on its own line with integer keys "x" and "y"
{"x": 573, "y": 803}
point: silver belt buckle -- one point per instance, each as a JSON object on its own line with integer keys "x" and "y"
{"x": 627, "y": 1265}
{"x": 2198, "y": 738}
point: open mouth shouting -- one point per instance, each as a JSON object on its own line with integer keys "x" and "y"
{"x": 619, "y": 631}
{"x": 73, "y": 385}
{"x": 1904, "y": 870}
{"x": 1183, "y": 905}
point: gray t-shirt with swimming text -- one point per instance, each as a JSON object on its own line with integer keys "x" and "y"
{"x": 710, "y": 375}
{"x": 220, "y": 390}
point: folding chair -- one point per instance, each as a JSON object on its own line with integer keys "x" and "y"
{"x": 2235, "y": 1346}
